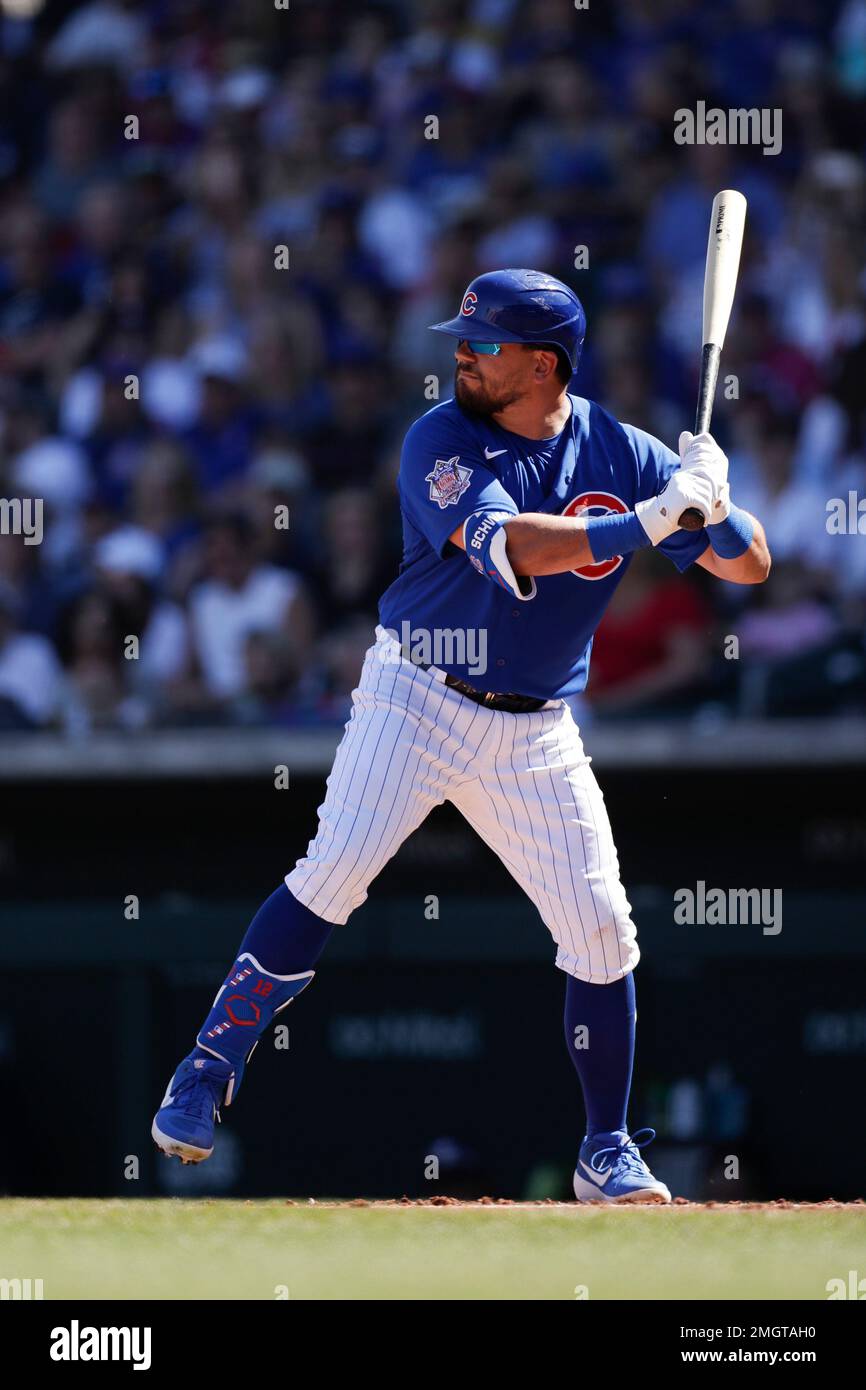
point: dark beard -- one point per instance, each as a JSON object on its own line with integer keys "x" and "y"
{"x": 481, "y": 401}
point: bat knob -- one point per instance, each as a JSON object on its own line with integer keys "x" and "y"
{"x": 691, "y": 519}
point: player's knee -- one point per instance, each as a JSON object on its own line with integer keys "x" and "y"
{"x": 615, "y": 938}
{"x": 317, "y": 885}
{"x": 603, "y": 953}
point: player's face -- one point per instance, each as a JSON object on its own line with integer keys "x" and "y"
{"x": 485, "y": 384}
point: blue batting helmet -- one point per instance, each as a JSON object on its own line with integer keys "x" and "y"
{"x": 520, "y": 306}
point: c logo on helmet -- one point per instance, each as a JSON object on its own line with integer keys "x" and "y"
{"x": 469, "y": 302}
{"x": 597, "y": 504}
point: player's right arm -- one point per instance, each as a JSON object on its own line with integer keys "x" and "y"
{"x": 539, "y": 544}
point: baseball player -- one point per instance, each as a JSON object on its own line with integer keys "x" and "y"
{"x": 522, "y": 505}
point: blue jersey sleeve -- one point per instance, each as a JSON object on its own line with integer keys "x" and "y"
{"x": 655, "y": 463}
{"x": 444, "y": 479}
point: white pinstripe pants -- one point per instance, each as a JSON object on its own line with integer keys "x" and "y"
{"x": 522, "y": 781}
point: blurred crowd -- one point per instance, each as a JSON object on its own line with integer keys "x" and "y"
{"x": 215, "y": 313}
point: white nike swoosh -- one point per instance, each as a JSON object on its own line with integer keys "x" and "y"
{"x": 598, "y": 1178}
{"x": 493, "y": 453}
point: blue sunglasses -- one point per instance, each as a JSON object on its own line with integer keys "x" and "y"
{"x": 482, "y": 349}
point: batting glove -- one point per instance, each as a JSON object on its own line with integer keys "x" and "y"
{"x": 701, "y": 455}
{"x": 660, "y": 516}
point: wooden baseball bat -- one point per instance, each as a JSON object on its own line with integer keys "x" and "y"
{"x": 720, "y": 281}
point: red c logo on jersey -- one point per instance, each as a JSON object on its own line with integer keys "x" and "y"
{"x": 468, "y": 305}
{"x": 596, "y": 504}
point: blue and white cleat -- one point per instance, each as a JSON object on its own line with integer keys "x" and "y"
{"x": 245, "y": 1006}
{"x": 183, "y": 1126}
{"x": 610, "y": 1169}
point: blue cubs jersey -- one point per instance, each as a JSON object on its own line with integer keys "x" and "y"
{"x": 454, "y": 467}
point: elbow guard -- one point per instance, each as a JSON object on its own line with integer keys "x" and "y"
{"x": 484, "y": 537}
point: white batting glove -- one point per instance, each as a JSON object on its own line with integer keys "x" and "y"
{"x": 660, "y": 516}
{"x": 700, "y": 454}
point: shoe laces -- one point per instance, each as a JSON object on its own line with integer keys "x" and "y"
{"x": 626, "y": 1152}
{"x": 202, "y": 1093}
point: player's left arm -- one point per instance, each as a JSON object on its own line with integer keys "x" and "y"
{"x": 752, "y": 567}
{"x": 738, "y": 549}
{"x": 732, "y": 545}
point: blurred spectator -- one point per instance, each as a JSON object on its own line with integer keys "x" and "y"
{"x": 793, "y": 512}
{"x": 280, "y": 491}
{"x": 101, "y": 32}
{"x": 629, "y": 397}
{"x": 793, "y": 620}
{"x": 129, "y": 565}
{"x": 35, "y": 300}
{"x": 272, "y": 681}
{"x": 164, "y": 497}
{"x": 800, "y": 658}
{"x": 349, "y": 447}
{"x": 30, "y": 674}
{"x": 33, "y": 592}
{"x": 356, "y": 569}
{"x": 237, "y": 597}
{"x": 117, "y": 440}
{"x": 654, "y": 643}
{"x": 76, "y": 160}
{"x": 757, "y": 354}
{"x": 221, "y": 439}
{"x": 90, "y": 640}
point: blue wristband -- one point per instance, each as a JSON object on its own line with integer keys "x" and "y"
{"x": 733, "y": 536}
{"x": 615, "y": 535}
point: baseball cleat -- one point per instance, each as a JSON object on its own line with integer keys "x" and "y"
{"x": 183, "y": 1125}
{"x": 610, "y": 1169}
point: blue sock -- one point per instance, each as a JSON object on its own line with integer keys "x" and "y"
{"x": 604, "y": 1056}
{"x": 285, "y": 937}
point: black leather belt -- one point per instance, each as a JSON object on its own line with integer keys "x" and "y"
{"x": 510, "y": 703}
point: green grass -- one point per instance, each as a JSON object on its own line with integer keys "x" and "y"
{"x": 173, "y": 1248}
